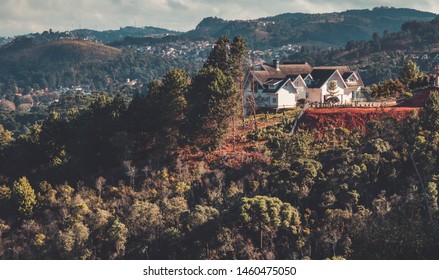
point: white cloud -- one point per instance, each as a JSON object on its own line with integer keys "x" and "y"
{"x": 24, "y": 16}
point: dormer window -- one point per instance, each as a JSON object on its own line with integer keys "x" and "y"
{"x": 271, "y": 86}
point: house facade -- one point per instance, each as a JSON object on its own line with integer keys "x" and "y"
{"x": 281, "y": 86}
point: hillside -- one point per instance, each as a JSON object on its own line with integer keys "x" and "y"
{"x": 174, "y": 175}
{"x": 71, "y": 62}
{"x": 383, "y": 55}
{"x": 52, "y": 63}
{"x": 334, "y": 29}
{"x": 317, "y": 120}
{"x": 26, "y": 53}
{"x": 108, "y": 36}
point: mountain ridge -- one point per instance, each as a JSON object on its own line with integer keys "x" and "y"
{"x": 300, "y": 28}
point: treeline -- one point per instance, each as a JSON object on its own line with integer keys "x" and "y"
{"x": 410, "y": 78}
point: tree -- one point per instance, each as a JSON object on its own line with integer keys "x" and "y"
{"x": 430, "y": 112}
{"x": 268, "y": 214}
{"x": 238, "y": 51}
{"x": 23, "y": 197}
{"x": 5, "y": 137}
{"x": 214, "y": 99}
{"x": 335, "y": 224}
{"x": 410, "y": 73}
{"x": 219, "y": 56}
{"x": 174, "y": 89}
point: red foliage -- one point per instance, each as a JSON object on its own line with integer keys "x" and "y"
{"x": 349, "y": 118}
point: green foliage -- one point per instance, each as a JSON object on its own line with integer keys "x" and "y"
{"x": 430, "y": 113}
{"x": 214, "y": 100}
{"x": 387, "y": 88}
{"x": 268, "y": 214}
{"x": 330, "y": 193}
{"x": 23, "y": 196}
{"x": 219, "y": 56}
{"x": 5, "y": 137}
{"x": 409, "y": 73}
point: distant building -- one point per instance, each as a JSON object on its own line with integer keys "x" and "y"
{"x": 279, "y": 86}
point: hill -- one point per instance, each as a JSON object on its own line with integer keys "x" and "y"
{"x": 41, "y": 62}
{"x": 29, "y": 54}
{"x": 52, "y": 63}
{"x": 383, "y": 55}
{"x": 334, "y": 29}
{"x": 108, "y": 36}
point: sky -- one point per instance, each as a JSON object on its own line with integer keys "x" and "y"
{"x": 27, "y": 16}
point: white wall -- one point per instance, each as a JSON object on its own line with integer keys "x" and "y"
{"x": 286, "y": 97}
{"x": 314, "y": 95}
{"x": 340, "y": 86}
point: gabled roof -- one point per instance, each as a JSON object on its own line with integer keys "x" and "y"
{"x": 273, "y": 81}
{"x": 270, "y": 72}
{"x": 347, "y": 75}
{"x": 279, "y": 85}
{"x": 267, "y": 75}
{"x": 359, "y": 81}
{"x": 321, "y": 76}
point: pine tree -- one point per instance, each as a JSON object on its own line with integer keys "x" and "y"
{"x": 430, "y": 113}
{"x": 214, "y": 99}
{"x": 238, "y": 52}
{"x": 219, "y": 56}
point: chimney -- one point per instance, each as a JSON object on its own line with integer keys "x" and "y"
{"x": 276, "y": 64}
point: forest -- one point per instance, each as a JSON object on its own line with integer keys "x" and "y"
{"x": 150, "y": 178}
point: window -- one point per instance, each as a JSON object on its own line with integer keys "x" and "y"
{"x": 274, "y": 100}
{"x": 271, "y": 86}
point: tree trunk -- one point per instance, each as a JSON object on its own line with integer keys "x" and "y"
{"x": 234, "y": 132}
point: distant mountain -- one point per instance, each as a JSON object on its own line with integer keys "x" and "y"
{"x": 331, "y": 29}
{"x": 129, "y": 31}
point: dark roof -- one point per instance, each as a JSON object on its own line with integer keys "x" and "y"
{"x": 357, "y": 83}
{"x": 293, "y": 77}
{"x": 285, "y": 70}
{"x": 272, "y": 81}
{"x": 279, "y": 85}
{"x": 346, "y": 75}
{"x": 320, "y": 76}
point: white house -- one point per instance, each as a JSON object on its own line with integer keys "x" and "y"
{"x": 279, "y": 86}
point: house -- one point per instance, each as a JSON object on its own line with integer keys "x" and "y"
{"x": 279, "y": 86}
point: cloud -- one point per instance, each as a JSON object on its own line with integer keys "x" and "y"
{"x": 177, "y": 5}
{"x": 24, "y": 16}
